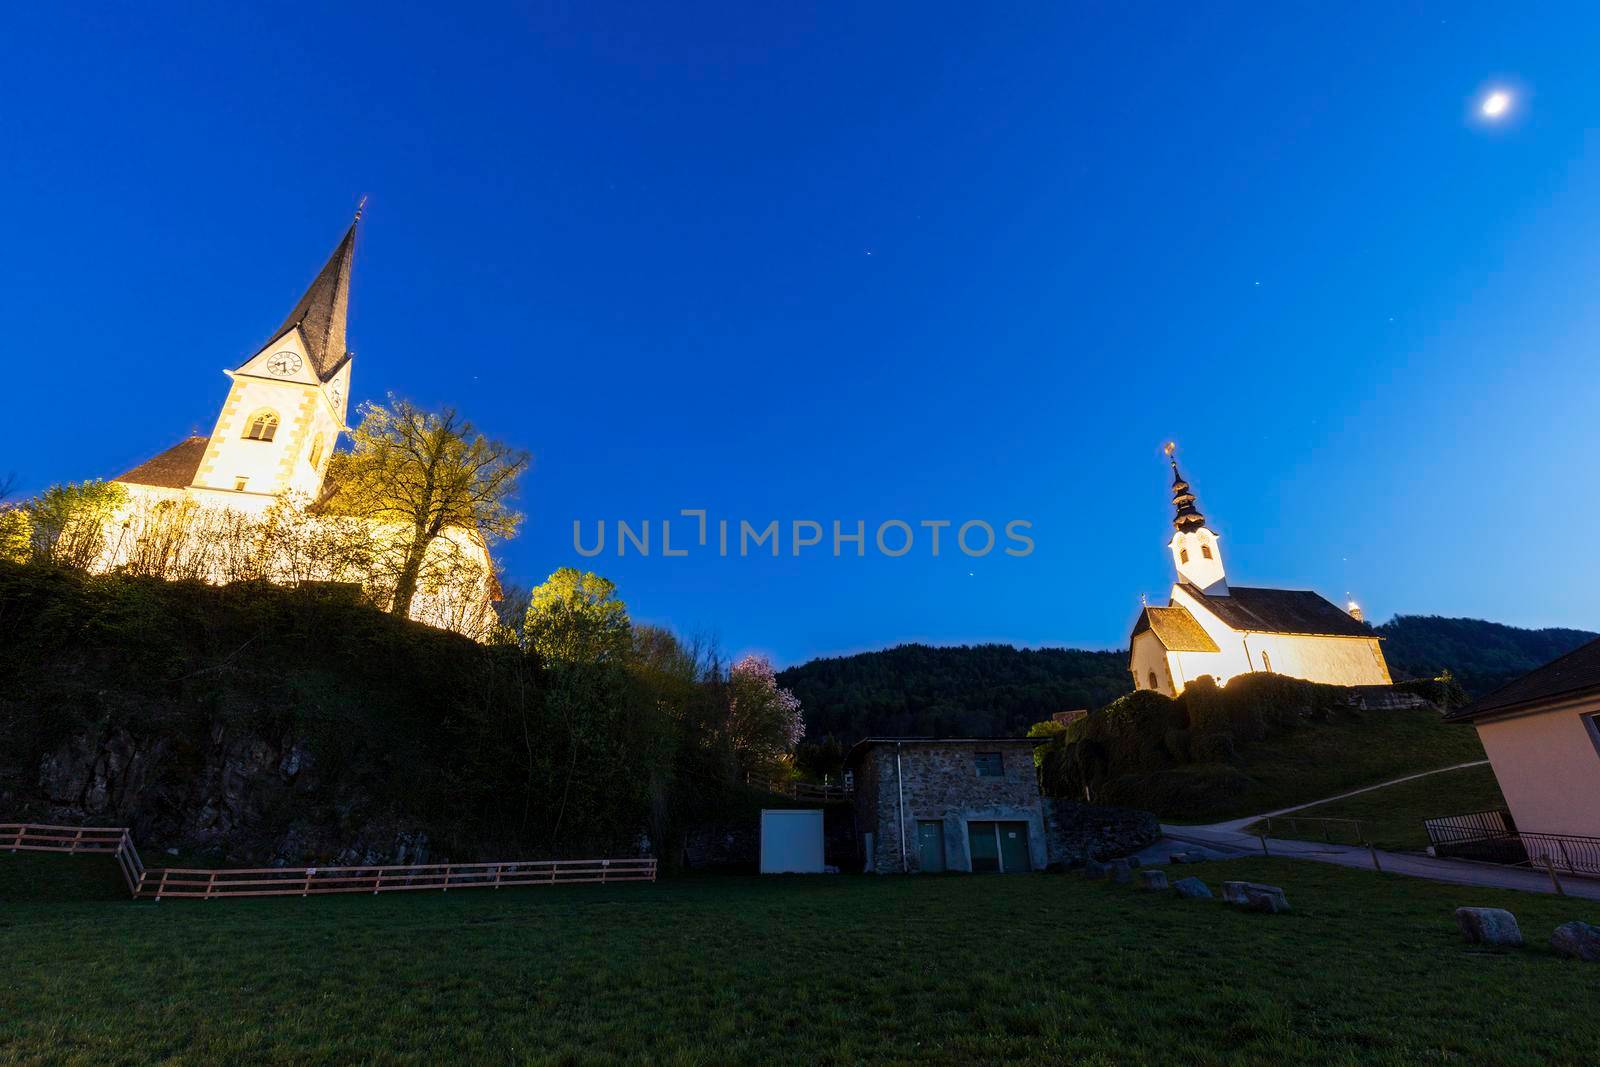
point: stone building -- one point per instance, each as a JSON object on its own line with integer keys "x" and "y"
{"x": 956, "y": 804}
{"x": 1214, "y": 628}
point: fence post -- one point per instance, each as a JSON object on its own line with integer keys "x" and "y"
{"x": 162, "y": 888}
{"x": 605, "y": 868}
{"x": 1261, "y": 834}
{"x": 1373, "y": 852}
{"x": 1325, "y": 835}
{"x": 446, "y": 887}
{"x": 379, "y": 883}
{"x": 210, "y": 885}
{"x": 22, "y": 828}
{"x": 77, "y": 837}
{"x": 1550, "y": 869}
{"x": 305, "y": 890}
{"x": 497, "y": 869}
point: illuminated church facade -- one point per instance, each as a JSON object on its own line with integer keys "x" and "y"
{"x": 271, "y": 445}
{"x": 1210, "y": 627}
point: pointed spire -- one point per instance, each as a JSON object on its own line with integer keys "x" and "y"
{"x": 1188, "y": 516}
{"x": 323, "y": 311}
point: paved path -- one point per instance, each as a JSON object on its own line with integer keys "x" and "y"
{"x": 1229, "y": 838}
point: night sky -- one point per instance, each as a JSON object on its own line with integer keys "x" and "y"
{"x": 917, "y": 262}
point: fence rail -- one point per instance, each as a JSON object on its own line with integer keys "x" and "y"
{"x": 158, "y": 883}
{"x": 793, "y": 787}
{"x": 1472, "y": 826}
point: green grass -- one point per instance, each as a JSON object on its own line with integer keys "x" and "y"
{"x": 1392, "y": 817}
{"x": 1312, "y": 761}
{"x": 815, "y": 971}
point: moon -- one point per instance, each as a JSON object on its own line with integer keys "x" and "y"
{"x": 1496, "y": 104}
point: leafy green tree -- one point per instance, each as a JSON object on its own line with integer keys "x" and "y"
{"x": 425, "y": 472}
{"x": 68, "y": 524}
{"x": 576, "y": 617}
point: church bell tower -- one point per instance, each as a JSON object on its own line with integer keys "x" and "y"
{"x": 286, "y": 404}
{"x": 1195, "y": 549}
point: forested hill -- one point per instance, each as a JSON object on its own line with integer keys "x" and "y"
{"x": 992, "y": 690}
{"x": 1482, "y": 655}
{"x": 969, "y": 690}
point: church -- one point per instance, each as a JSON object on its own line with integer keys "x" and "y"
{"x": 1209, "y": 627}
{"x": 267, "y": 457}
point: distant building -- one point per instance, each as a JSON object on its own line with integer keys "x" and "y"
{"x": 1542, "y": 735}
{"x": 1067, "y": 718}
{"x": 949, "y": 804}
{"x": 271, "y": 442}
{"x": 1209, "y": 627}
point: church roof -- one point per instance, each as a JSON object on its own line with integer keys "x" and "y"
{"x": 1176, "y": 629}
{"x": 323, "y": 311}
{"x": 1280, "y": 611}
{"x": 1570, "y": 675}
{"x": 172, "y": 469}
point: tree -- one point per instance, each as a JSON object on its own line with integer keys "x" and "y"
{"x": 425, "y": 472}
{"x": 764, "y": 721}
{"x": 575, "y": 617}
{"x": 68, "y": 523}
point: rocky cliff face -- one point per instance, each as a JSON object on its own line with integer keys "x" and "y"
{"x": 235, "y": 796}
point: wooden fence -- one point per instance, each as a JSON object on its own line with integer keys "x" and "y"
{"x": 208, "y": 884}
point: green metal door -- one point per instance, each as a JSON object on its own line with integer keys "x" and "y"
{"x": 984, "y": 846}
{"x": 1013, "y": 846}
{"x": 930, "y": 845}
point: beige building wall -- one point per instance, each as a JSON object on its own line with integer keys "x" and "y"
{"x": 1548, "y": 767}
{"x": 1150, "y": 656}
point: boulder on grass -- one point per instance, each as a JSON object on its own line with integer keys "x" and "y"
{"x": 1269, "y": 899}
{"x": 1495, "y": 927}
{"x": 1256, "y": 896}
{"x": 1578, "y": 941}
{"x": 1094, "y": 870}
{"x": 1150, "y": 878}
{"x": 1121, "y": 873}
{"x": 1191, "y": 889}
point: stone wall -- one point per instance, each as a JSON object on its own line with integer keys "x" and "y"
{"x": 1075, "y": 832}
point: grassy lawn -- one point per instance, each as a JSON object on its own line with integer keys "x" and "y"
{"x": 1392, "y": 817}
{"x": 1315, "y": 760}
{"x": 826, "y": 970}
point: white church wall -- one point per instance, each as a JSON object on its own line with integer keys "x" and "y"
{"x": 1148, "y": 656}
{"x": 1334, "y": 660}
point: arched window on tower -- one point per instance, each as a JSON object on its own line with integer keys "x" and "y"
{"x": 1154, "y": 683}
{"x": 316, "y": 453}
{"x": 1205, "y": 550}
{"x": 263, "y": 426}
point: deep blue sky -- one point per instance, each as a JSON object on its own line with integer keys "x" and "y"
{"x": 898, "y": 261}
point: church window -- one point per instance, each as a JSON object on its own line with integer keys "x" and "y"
{"x": 1183, "y": 555}
{"x": 1205, "y": 550}
{"x": 316, "y": 452}
{"x": 263, "y": 426}
{"x": 1266, "y": 663}
{"x": 239, "y": 484}
{"x": 1154, "y": 683}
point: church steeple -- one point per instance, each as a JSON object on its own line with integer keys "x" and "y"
{"x": 1195, "y": 549}
{"x": 324, "y": 310}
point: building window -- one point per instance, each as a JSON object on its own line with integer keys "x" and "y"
{"x": 990, "y": 765}
{"x": 1592, "y": 722}
{"x": 239, "y": 484}
{"x": 1266, "y": 662}
{"x": 1154, "y": 684}
{"x": 263, "y": 426}
{"x": 1183, "y": 555}
{"x": 1205, "y": 550}
{"x": 316, "y": 452}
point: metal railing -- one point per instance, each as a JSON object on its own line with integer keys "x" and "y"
{"x": 793, "y": 787}
{"x": 1473, "y": 826}
{"x": 210, "y": 884}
